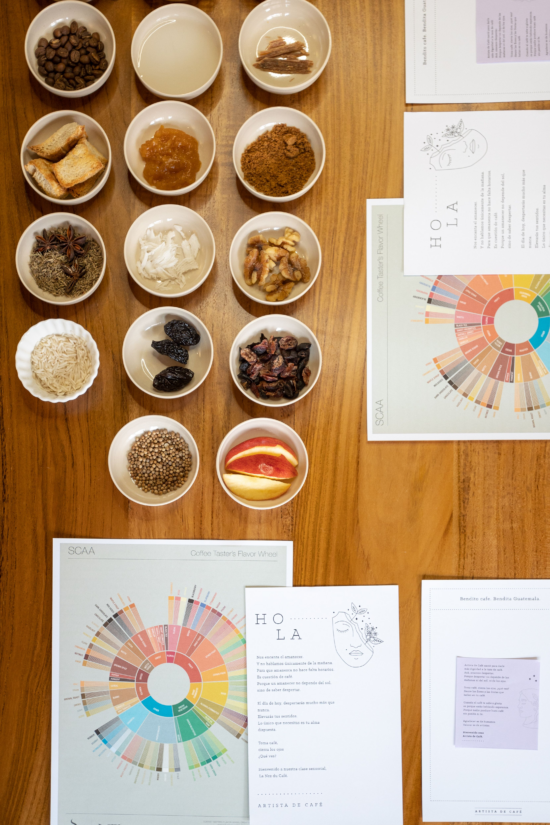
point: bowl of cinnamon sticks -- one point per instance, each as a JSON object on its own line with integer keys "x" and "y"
{"x": 284, "y": 45}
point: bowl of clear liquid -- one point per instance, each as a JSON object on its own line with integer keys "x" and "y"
{"x": 177, "y": 51}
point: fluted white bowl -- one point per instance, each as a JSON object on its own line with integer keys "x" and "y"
{"x": 53, "y": 326}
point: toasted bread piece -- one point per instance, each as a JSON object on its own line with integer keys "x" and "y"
{"x": 57, "y": 145}
{"x": 83, "y": 188}
{"x": 93, "y": 150}
{"x": 42, "y": 172}
{"x": 76, "y": 167}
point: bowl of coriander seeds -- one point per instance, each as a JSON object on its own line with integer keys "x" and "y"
{"x": 153, "y": 460}
{"x": 61, "y": 258}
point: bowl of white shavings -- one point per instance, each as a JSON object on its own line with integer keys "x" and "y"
{"x": 169, "y": 251}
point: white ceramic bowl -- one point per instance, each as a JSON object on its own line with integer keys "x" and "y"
{"x": 204, "y": 32}
{"x": 292, "y": 19}
{"x": 53, "y": 326}
{"x": 62, "y": 14}
{"x": 26, "y": 243}
{"x": 118, "y": 459}
{"x": 254, "y": 428}
{"x": 142, "y": 362}
{"x": 262, "y": 122}
{"x": 161, "y": 218}
{"x": 49, "y": 124}
{"x": 272, "y": 224}
{"x": 177, "y": 115}
{"x": 278, "y": 325}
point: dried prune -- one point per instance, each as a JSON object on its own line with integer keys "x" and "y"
{"x": 181, "y": 332}
{"x": 173, "y": 351}
{"x": 274, "y": 367}
{"x": 172, "y": 379}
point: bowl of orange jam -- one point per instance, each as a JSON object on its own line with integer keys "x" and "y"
{"x": 169, "y": 148}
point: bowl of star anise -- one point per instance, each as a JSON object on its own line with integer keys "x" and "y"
{"x": 61, "y": 258}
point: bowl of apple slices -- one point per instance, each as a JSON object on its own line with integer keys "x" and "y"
{"x": 262, "y": 464}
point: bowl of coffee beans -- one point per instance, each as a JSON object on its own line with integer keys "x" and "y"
{"x": 70, "y": 48}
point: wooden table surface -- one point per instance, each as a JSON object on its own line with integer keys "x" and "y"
{"x": 369, "y": 513}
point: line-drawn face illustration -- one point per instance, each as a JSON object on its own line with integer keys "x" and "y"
{"x": 354, "y": 637}
{"x": 455, "y": 148}
{"x": 528, "y": 707}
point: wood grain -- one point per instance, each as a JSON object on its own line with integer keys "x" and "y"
{"x": 369, "y": 513}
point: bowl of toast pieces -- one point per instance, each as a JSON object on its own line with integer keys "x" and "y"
{"x": 66, "y": 156}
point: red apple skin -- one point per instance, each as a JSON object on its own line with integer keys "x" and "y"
{"x": 264, "y": 466}
{"x": 252, "y": 488}
{"x": 263, "y": 445}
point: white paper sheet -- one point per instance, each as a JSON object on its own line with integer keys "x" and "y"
{"x": 502, "y": 619}
{"x": 324, "y": 705}
{"x": 149, "y": 679}
{"x": 476, "y": 193}
{"x": 434, "y": 375}
{"x": 442, "y": 65}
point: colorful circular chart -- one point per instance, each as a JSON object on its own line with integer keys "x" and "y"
{"x": 169, "y": 685}
{"x": 501, "y": 325}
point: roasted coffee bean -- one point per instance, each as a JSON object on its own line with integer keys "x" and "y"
{"x": 57, "y": 33}
{"x": 42, "y": 71}
{"x": 62, "y": 53}
{"x": 77, "y": 70}
{"x": 63, "y": 40}
{"x": 74, "y": 27}
{"x": 61, "y": 67}
{"x": 96, "y": 35}
{"x": 84, "y": 58}
{"x": 57, "y": 76}
{"x": 100, "y": 46}
{"x": 42, "y": 60}
{"x": 49, "y": 66}
{"x": 103, "y": 65}
{"x": 55, "y": 43}
{"x": 81, "y": 30}
{"x": 94, "y": 58}
{"x": 39, "y": 51}
{"x": 75, "y": 56}
{"x": 88, "y": 78}
{"x": 50, "y": 53}
{"x": 94, "y": 42}
{"x": 57, "y": 59}
{"x": 48, "y": 80}
{"x": 69, "y": 75}
{"x": 73, "y": 40}
{"x": 65, "y": 30}
{"x": 79, "y": 83}
{"x": 43, "y": 42}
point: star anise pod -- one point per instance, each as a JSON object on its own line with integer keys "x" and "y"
{"x": 71, "y": 245}
{"x": 46, "y": 241}
{"x": 73, "y": 272}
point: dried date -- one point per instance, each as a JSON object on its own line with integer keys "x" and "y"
{"x": 173, "y": 351}
{"x": 182, "y": 333}
{"x": 172, "y": 379}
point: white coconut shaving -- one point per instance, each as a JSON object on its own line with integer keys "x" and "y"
{"x": 167, "y": 256}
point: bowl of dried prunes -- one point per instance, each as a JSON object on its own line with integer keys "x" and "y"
{"x": 167, "y": 352}
{"x": 275, "y": 360}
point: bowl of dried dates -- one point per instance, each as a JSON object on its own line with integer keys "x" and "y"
{"x": 275, "y": 360}
{"x": 275, "y": 258}
{"x": 262, "y": 463}
{"x": 70, "y": 48}
{"x": 167, "y": 352}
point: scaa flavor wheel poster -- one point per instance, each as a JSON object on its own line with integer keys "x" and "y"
{"x": 453, "y": 357}
{"x": 150, "y": 722}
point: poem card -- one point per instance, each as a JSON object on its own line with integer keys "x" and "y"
{"x": 497, "y": 703}
{"x": 476, "y": 193}
{"x": 510, "y": 31}
{"x": 324, "y": 722}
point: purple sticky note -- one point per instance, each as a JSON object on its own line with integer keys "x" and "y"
{"x": 497, "y": 703}
{"x": 510, "y": 31}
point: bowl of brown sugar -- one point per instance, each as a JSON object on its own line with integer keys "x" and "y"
{"x": 278, "y": 154}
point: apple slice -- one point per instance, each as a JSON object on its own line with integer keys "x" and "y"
{"x": 264, "y": 446}
{"x": 262, "y": 465}
{"x": 255, "y": 489}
